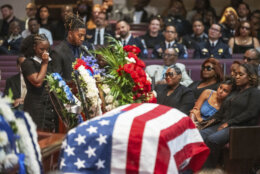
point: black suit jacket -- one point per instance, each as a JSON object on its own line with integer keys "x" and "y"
{"x": 204, "y": 50}
{"x": 90, "y": 36}
{"x": 13, "y": 83}
{"x": 63, "y": 58}
{"x": 179, "y": 48}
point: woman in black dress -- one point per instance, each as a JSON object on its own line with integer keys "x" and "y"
{"x": 174, "y": 94}
{"x": 241, "y": 108}
{"x": 211, "y": 75}
{"x": 35, "y": 67}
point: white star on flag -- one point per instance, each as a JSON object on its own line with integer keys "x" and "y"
{"x": 102, "y": 139}
{"x": 92, "y": 129}
{"x": 72, "y": 131}
{"x": 64, "y": 144}
{"x": 100, "y": 164}
{"x": 90, "y": 151}
{"x": 79, "y": 163}
{"x": 80, "y": 139}
{"x": 103, "y": 122}
{"x": 70, "y": 151}
{"x": 62, "y": 163}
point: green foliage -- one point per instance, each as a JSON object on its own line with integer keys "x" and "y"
{"x": 120, "y": 84}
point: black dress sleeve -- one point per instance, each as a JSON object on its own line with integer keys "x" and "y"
{"x": 28, "y": 67}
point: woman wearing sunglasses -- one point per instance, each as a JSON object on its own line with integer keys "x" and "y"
{"x": 244, "y": 39}
{"x": 210, "y": 101}
{"x": 174, "y": 94}
{"x": 211, "y": 75}
{"x": 241, "y": 108}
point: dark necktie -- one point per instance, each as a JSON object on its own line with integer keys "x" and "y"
{"x": 212, "y": 44}
{"x": 124, "y": 42}
{"x": 76, "y": 51}
{"x": 98, "y": 37}
{"x": 169, "y": 45}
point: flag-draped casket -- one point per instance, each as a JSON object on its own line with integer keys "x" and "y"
{"x": 135, "y": 138}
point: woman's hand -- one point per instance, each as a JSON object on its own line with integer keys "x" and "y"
{"x": 45, "y": 57}
{"x": 224, "y": 125}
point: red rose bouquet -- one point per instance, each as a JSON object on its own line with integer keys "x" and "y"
{"x": 126, "y": 77}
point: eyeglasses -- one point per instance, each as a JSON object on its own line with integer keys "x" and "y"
{"x": 208, "y": 68}
{"x": 169, "y": 74}
{"x": 169, "y": 55}
{"x": 248, "y": 59}
{"x": 246, "y": 28}
{"x": 214, "y": 29}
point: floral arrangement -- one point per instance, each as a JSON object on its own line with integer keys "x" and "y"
{"x": 70, "y": 111}
{"x": 62, "y": 90}
{"x": 18, "y": 144}
{"x": 127, "y": 79}
{"x": 89, "y": 86}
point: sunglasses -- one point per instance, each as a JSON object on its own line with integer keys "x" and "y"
{"x": 169, "y": 74}
{"x": 208, "y": 68}
{"x": 248, "y": 59}
{"x": 246, "y": 28}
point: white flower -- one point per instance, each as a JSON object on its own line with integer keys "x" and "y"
{"x": 91, "y": 92}
{"x": 2, "y": 156}
{"x": 109, "y": 99}
{"x": 10, "y": 161}
{"x": 148, "y": 77}
{"x": 3, "y": 139}
{"x": 109, "y": 107}
{"x": 131, "y": 59}
{"x": 155, "y": 94}
{"x": 106, "y": 89}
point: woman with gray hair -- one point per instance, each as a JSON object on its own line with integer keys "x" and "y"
{"x": 174, "y": 94}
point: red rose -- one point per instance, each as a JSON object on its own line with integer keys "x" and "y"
{"x": 119, "y": 70}
{"x": 140, "y": 63}
{"x": 134, "y": 75}
{"x": 132, "y": 55}
{"x": 127, "y": 48}
{"x": 136, "y": 50}
{"x": 140, "y": 72}
{"x": 129, "y": 68}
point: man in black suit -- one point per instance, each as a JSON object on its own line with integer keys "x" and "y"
{"x": 17, "y": 85}
{"x": 73, "y": 47}
{"x": 98, "y": 35}
{"x": 8, "y": 17}
{"x": 170, "y": 35}
{"x": 126, "y": 38}
{"x": 214, "y": 47}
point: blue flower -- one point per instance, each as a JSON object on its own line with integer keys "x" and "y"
{"x": 61, "y": 83}
{"x": 56, "y": 76}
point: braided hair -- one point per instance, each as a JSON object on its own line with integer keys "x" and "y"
{"x": 27, "y": 45}
{"x": 73, "y": 22}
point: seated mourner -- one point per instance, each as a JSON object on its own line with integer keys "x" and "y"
{"x": 214, "y": 46}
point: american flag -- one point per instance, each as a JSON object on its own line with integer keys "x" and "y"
{"x": 135, "y": 138}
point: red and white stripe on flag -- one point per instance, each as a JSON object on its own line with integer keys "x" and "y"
{"x": 152, "y": 138}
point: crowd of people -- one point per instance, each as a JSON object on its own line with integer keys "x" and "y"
{"x": 214, "y": 103}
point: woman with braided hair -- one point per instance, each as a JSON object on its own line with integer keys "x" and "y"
{"x": 72, "y": 47}
{"x": 37, "y": 64}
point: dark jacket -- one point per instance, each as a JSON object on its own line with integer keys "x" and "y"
{"x": 182, "y": 98}
{"x": 240, "y": 108}
{"x": 63, "y": 58}
{"x": 179, "y": 48}
{"x": 205, "y": 50}
{"x": 13, "y": 83}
